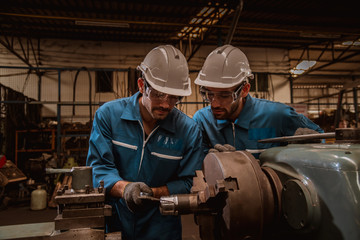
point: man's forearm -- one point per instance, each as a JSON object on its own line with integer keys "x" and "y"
{"x": 118, "y": 189}
{"x": 160, "y": 191}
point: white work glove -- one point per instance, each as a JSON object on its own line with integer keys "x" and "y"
{"x": 222, "y": 148}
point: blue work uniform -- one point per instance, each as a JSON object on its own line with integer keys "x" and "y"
{"x": 119, "y": 150}
{"x": 259, "y": 119}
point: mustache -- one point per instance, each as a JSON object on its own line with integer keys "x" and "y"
{"x": 217, "y": 108}
{"x": 162, "y": 109}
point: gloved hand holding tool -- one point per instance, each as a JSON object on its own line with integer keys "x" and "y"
{"x": 222, "y": 148}
{"x": 132, "y": 195}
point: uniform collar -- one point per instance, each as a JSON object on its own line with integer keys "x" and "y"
{"x": 132, "y": 109}
{"x": 132, "y": 113}
{"x": 243, "y": 119}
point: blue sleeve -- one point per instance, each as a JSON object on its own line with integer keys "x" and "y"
{"x": 206, "y": 143}
{"x": 100, "y": 156}
{"x": 192, "y": 161}
{"x": 294, "y": 120}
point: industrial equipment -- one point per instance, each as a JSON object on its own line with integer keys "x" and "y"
{"x": 81, "y": 208}
{"x": 299, "y": 191}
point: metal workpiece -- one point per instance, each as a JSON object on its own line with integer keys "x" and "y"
{"x": 179, "y": 204}
{"x": 81, "y": 177}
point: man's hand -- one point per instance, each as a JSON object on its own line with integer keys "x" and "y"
{"x": 222, "y": 148}
{"x": 305, "y": 131}
{"x": 132, "y": 195}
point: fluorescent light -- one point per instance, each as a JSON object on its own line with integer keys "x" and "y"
{"x": 305, "y": 65}
{"x": 297, "y": 71}
{"x": 206, "y": 16}
{"x": 349, "y": 43}
{"x": 302, "y": 67}
{"x": 103, "y": 24}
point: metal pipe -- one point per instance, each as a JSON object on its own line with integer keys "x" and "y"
{"x": 298, "y": 137}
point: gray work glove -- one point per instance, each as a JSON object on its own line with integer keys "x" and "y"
{"x": 132, "y": 195}
{"x": 305, "y": 131}
{"x": 222, "y": 148}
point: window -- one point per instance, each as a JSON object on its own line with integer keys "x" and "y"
{"x": 260, "y": 83}
{"x": 104, "y": 81}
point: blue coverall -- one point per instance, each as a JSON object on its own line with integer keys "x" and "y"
{"x": 259, "y": 119}
{"x": 119, "y": 150}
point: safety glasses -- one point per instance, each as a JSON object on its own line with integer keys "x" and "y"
{"x": 156, "y": 96}
{"x": 222, "y": 96}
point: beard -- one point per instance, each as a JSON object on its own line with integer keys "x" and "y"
{"x": 221, "y": 113}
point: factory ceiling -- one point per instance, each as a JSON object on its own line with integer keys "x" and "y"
{"x": 309, "y": 29}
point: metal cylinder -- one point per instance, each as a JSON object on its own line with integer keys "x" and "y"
{"x": 81, "y": 177}
{"x": 179, "y": 204}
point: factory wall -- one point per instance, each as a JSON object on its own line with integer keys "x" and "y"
{"x": 73, "y": 55}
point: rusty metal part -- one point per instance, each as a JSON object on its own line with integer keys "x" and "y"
{"x": 347, "y": 135}
{"x": 85, "y": 212}
{"x": 81, "y": 208}
{"x": 277, "y": 188}
{"x": 81, "y": 176}
{"x": 10, "y": 173}
{"x": 250, "y": 203}
{"x": 298, "y": 138}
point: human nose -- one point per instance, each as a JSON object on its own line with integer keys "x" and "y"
{"x": 165, "y": 102}
{"x": 215, "y": 102}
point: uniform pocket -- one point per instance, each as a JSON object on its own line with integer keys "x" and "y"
{"x": 125, "y": 145}
{"x": 165, "y": 156}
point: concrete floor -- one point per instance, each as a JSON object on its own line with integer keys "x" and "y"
{"x": 22, "y": 214}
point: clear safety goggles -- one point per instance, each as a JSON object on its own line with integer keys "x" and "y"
{"x": 222, "y": 96}
{"x": 156, "y": 96}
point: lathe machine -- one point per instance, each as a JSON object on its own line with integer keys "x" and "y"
{"x": 300, "y": 191}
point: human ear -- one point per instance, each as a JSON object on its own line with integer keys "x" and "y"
{"x": 245, "y": 90}
{"x": 140, "y": 83}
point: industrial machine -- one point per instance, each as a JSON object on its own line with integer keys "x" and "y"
{"x": 81, "y": 208}
{"x": 299, "y": 191}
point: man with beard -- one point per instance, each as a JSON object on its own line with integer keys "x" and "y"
{"x": 144, "y": 145}
{"x": 234, "y": 119}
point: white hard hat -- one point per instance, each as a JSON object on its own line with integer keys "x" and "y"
{"x": 225, "y": 67}
{"x": 166, "y": 70}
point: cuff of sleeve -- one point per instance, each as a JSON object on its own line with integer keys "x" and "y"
{"x": 177, "y": 187}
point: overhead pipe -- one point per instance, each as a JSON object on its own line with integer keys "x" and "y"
{"x": 234, "y": 22}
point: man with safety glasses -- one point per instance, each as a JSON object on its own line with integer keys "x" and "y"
{"x": 234, "y": 119}
{"x": 144, "y": 146}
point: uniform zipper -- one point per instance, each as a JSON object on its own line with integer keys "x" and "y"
{"x": 144, "y": 143}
